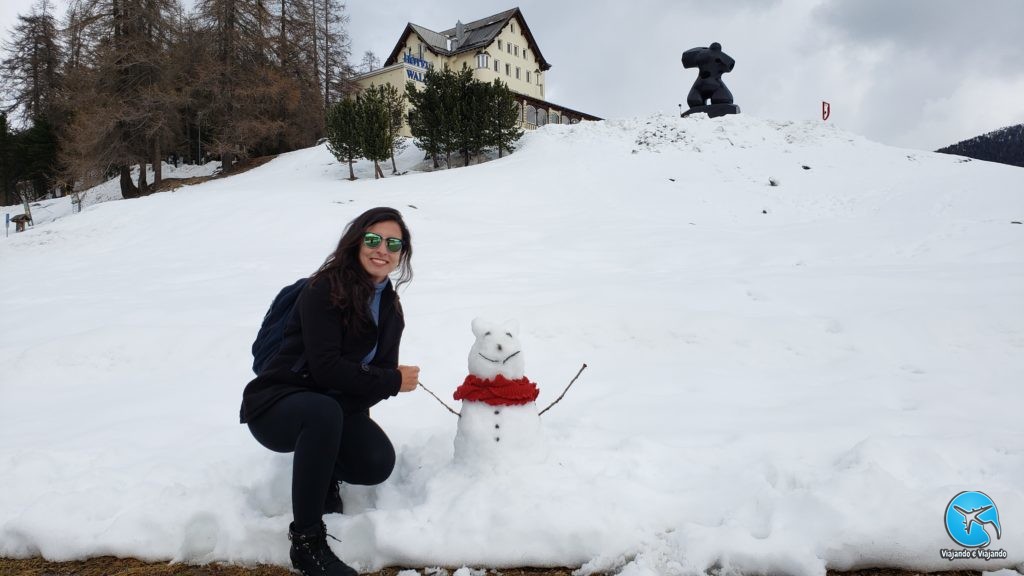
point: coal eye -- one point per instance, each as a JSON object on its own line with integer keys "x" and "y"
{"x": 487, "y": 333}
{"x": 509, "y": 334}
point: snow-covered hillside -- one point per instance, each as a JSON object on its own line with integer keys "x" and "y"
{"x": 782, "y": 379}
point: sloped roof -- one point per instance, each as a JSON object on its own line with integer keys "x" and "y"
{"x": 477, "y": 34}
{"x": 437, "y": 41}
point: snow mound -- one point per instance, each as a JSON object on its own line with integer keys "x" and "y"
{"x": 782, "y": 379}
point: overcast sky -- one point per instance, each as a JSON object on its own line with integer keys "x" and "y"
{"x": 913, "y": 73}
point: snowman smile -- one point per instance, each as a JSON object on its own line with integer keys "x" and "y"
{"x": 496, "y": 361}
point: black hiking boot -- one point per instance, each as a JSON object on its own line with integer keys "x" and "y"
{"x": 333, "y": 503}
{"x": 311, "y": 555}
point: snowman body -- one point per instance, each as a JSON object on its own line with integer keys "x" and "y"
{"x": 498, "y": 423}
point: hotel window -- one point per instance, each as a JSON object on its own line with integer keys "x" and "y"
{"x": 531, "y": 115}
{"x": 508, "y": 69}
{"x": 565, "y": 119}
{"x": 542, "y": 117}
{"x": 481, "y": 60}
{"x": 554, "y": 118}
{"x": 495, "y": 64}
{"x": 515, "y": 50}
{"x": 421, "y": 51}
{"x": 527, "y": 76}
{"x": 517, "y": 72}
{"x": 499, "y": 44}
{"x": 537, "y": 74}
{"x": 513, "y": 27}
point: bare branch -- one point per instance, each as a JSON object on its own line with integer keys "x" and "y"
{"x": 562, "y": 395}
{"x": 438, "y": 399}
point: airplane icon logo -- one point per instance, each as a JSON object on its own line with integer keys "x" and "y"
{"x": 967, "y": 515}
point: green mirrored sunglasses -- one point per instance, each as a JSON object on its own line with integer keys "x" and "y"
{"x": 372, "y": 240}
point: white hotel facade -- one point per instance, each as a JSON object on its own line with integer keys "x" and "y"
{"x": 497, "y": 47}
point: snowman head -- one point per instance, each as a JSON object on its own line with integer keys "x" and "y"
{"x": 496, "y": 350}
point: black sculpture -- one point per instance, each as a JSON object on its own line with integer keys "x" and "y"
{"x": 712, "y": 63}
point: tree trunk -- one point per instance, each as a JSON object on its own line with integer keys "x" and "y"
{"x": 351, "y": 173}
{"x": 143, "y": 184}
{"x": 24, "y": 193}
{"x": 377, "y": 172}
{"x": 437, "y": 163}
{"x": 394, "y": 168}
{"x": 282, "y": 55}
{"x": 158, "y": 166}
{"x": 128, "y": 189}
{"x": 226, "y": 160}
{"x": 327, "y": 56}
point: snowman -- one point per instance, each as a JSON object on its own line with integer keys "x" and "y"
{"x": 498, "y": 423}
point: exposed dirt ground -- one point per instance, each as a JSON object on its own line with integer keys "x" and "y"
{"x": 110, "y": 566}
{"x": 240, "y": 166}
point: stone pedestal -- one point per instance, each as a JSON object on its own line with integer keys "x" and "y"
{"x": 713, "y": 110}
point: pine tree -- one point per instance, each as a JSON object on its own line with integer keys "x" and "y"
{"x": 30, "y": 78}
{"x": 375, "y": 127}
{"x": 452, "y": 117}
{"x": 456, "y": 113}
{"x": 475, "y": 111}
{"x": 395, "y": 104}
{"x": 6, "y": 164}
{"x": 31, "y": 83}
{"x": 36, "y": 155}
{"x": 426, "y": 116}
{"x": 504, "y": 117}
{"x": 342, "y": 128}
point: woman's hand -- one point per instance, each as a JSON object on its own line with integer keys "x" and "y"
{"x": 410, "y": 378}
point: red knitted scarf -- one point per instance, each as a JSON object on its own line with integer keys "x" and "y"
{"x": 499, "y": 391}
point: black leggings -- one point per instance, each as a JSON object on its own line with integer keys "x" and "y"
{"x": 329, "y": 445}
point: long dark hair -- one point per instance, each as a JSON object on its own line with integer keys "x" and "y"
{"x": 351, "y": 286}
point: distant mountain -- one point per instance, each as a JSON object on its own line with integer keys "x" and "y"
{"x": 1005, "y": 146}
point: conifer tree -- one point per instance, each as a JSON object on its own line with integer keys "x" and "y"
{"x": 6, "y": 164}
{"x": 426, "y": 118}
{"x": 30, "y": 82}
{"x": 30, "y": 78}
{"x": 456, "y": 113}
{"x": 36, "y": 157}
{"x": 121, "y": 110}
{"x": 453, "y": 110}
{"x": 468, "y": 113}
{"x": 504, "y": 116}
{"x": 332, "y": 47}
{"x": 375, "y": 127}
{"x": 342, "y": 128}
{"x": 395, "y": 104}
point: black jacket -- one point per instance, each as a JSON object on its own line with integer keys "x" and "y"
{"x": 333, "y": 359}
